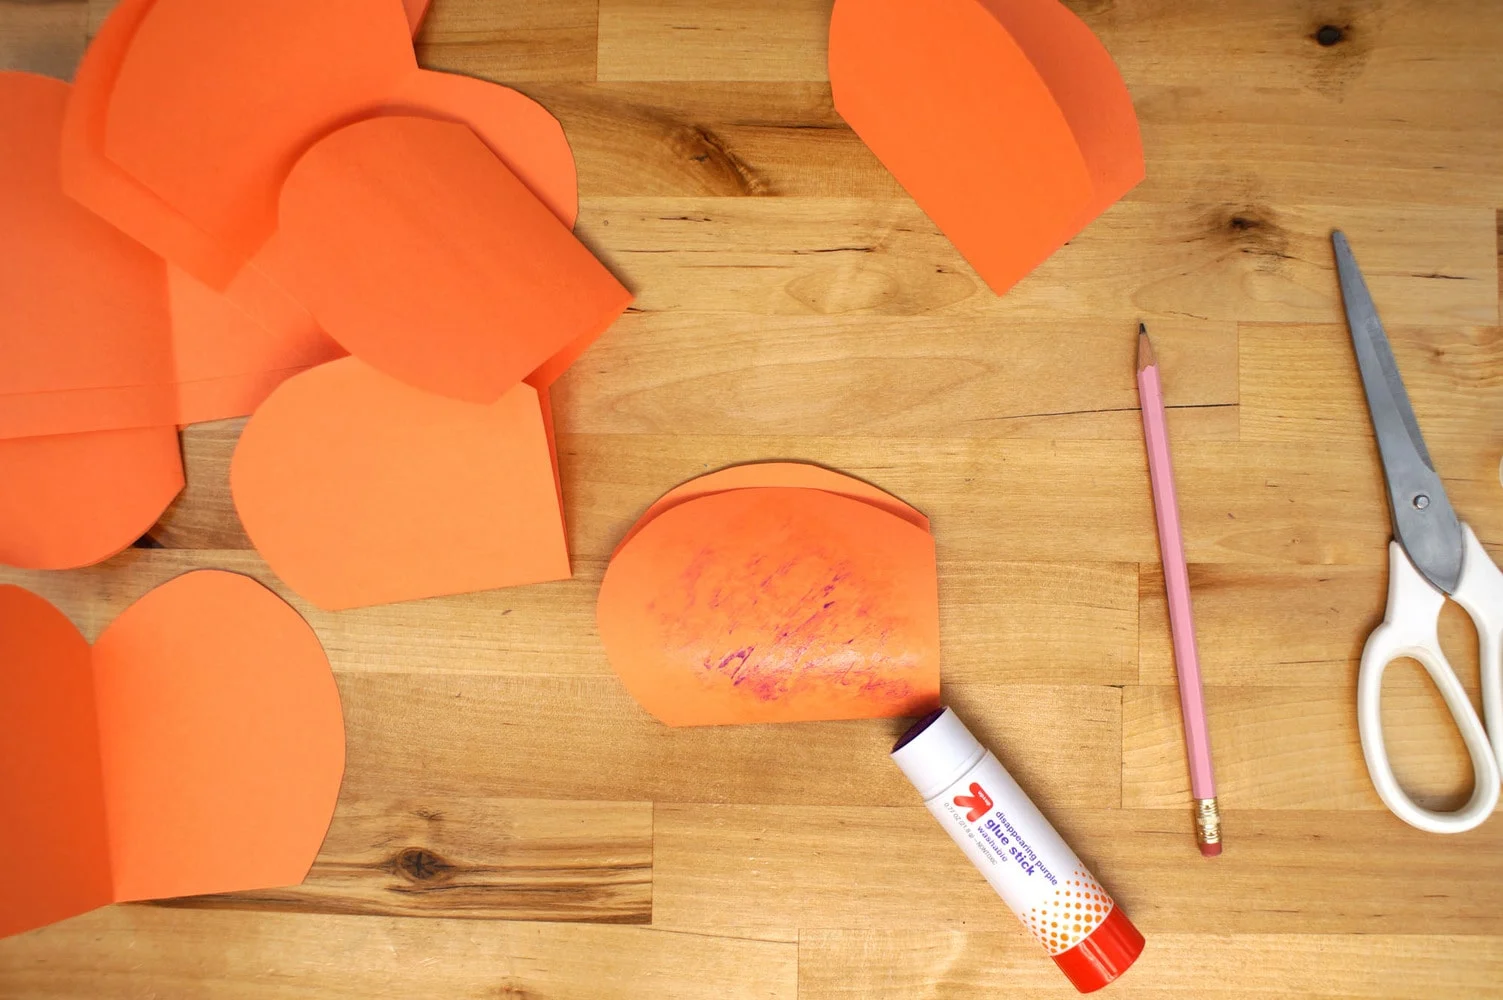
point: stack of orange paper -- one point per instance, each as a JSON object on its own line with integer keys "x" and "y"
{"x": 231, "y": 197}
{"x": 775, "y": 592}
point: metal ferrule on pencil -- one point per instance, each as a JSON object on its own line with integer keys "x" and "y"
{"x": 1207, "y": 821}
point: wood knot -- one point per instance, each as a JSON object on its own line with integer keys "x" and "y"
{"x": 719, "y": 168}
{"x": 419, "y": 865}
{"x": 1328, "y": 34}
{"x": 1255, "y": 231}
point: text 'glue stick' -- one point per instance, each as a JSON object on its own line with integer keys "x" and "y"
{"x": 1013, "y": 845}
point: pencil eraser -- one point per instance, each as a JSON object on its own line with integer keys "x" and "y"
{"x": 1211, "y": 850}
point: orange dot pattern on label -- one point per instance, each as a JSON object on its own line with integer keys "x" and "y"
{"x": 1077, "y": 908}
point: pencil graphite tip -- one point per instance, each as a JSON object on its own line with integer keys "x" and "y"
{"x": 1145, "y": 348}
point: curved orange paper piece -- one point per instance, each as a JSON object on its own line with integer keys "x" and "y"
{"x": 1085, "y": 81}
{"x": 198, "y": 747}
{"x": 1011, "y": 130}
{"x": 215, "y": 100}
{"x": 221, "y": 738}
{"x": 358, "y": 489}
{"x": 83, "y": 305}
{"x": 418, "y": 250}
{"x": 54, "y": 850}
{"x": 799, "y": 475}
{"x": 73, "y": 500}
{"x": 774, "y": 605}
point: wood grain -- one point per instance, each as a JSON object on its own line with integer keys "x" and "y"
{"x": 517, "y": 859}
{"x": 132, "y": 951}
{"x": 511, "y": 40}
{"x": 508, "y": 811}
{"x": 46, "y": 37}
{"x": 960, "y": 963}
{"x": 842, "y": 866}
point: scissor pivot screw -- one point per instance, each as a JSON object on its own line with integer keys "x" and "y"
{"x": 1421, "y": 501}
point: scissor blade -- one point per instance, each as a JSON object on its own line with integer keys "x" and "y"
{"x": 1423, "y": 521}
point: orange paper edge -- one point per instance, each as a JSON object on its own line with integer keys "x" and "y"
{"x": 783, "y": 474}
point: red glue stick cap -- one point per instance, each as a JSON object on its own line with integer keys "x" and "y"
{"x": 1103, "y": 955}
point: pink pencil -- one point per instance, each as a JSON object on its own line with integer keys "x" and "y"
{"x": 1181, "y": 618}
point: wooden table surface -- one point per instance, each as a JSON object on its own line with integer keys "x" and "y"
{"x": 512, "y": 825}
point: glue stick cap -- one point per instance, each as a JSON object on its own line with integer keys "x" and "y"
{"x": 946, "y": 751}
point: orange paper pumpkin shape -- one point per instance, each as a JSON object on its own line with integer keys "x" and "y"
{"x": 1006, "y": 120}
{"x": 196, "y": 748}
{"x": 358, "y": 489}
{"x": 417, "y": 248}
{"x": 774, "y": 605}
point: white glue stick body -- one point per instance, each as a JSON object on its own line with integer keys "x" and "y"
{"x": 1018, "y": 851}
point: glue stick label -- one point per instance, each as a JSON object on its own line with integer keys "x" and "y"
{"x": 1021, "y": 855}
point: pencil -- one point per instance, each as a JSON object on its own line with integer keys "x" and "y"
{"x": 1177, "y": 585}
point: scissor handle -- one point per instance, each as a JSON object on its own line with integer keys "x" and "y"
{"x": 1480, "y": 592}
{"x": 1410, "y": 629}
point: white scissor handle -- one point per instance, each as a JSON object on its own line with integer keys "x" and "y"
{"x": 1409, "y": 629}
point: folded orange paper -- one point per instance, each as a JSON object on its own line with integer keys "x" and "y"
{"x": 214, "y": 100}
{"x": 197, "y": 747}
{"x": 776, "y": 603}
{"x": 358, "y": 489}
{"x": 1006, "y": 120}
{"x": 228, "y": 349}
{"x": 417, "y": 249}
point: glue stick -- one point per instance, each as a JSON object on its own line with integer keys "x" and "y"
{"x": 1019, "y": 853}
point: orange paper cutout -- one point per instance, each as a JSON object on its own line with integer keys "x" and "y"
{"x": 214, "y": 101}
{"x": 774, "y": 605}
{"x": 799, "y": 475}
{"x": 239, "y": 344}
{"x": 52, "y": 827}
{"x": 105, "y": 331}
{"x": 84, "y": 306}
{"x": 76, "y": 499}
{"x": 418, "y": 250}
{"x": 198, "y": 747}
{"x": 358, "y": 489}
{"x": 1007, "y": 122}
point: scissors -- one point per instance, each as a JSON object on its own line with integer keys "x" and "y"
{"x": 1432, "y": 555}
